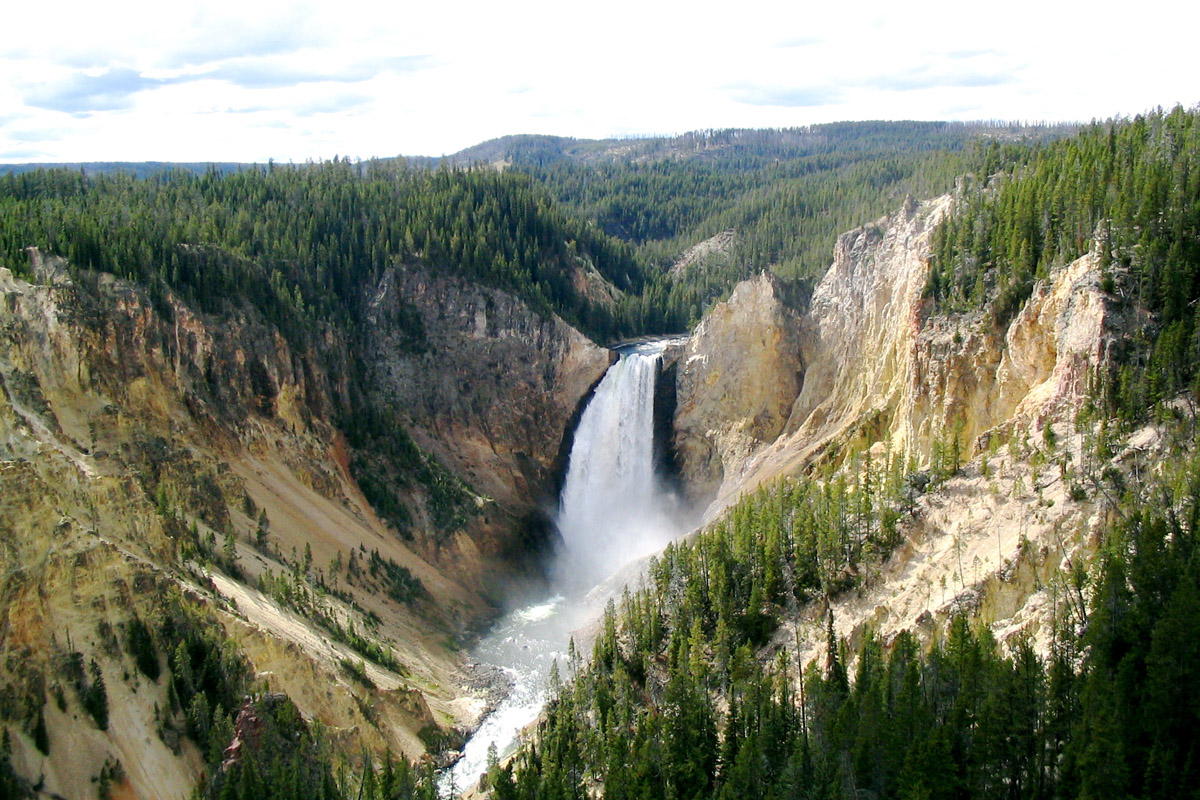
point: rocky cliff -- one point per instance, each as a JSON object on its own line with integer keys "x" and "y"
{"x": 869, "y": 371}
{"x": 490, "y": 387}
{"x": 737, "y": 377}
{"x": 881, "y": 361}
{"x": 867, "y": 364}
{"x": 167, "y": 471}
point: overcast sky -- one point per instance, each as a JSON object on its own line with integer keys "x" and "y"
{"x": 251, "y": 80}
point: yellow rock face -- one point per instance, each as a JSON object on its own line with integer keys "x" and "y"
{"x": 868, "y": 364}
{"x": 119, "y": 416}
{"x": 737, "y": 377}
{"x": 870, "y": 369}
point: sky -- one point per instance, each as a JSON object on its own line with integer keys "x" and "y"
{"x": 254, "y": 80}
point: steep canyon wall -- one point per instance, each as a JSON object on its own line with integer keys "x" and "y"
{"x": 145, "y": 446}
{"x": 869, "y": 370}
{"x": 765, "y": 389}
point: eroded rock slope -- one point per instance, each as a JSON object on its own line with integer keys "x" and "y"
{"x": 183, "y": 474}
{"x": 868, "y": 372}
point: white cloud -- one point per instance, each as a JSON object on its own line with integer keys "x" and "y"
{"x": 229, "y": 80}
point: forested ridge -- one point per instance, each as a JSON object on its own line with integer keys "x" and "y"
{"x": 301, "y": 241}
{"x": 784, "y": 194}
{"x": 304, "y": 243}
{"x": 1128, "y": 189}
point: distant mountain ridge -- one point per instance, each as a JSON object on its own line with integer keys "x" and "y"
{"x": 740, "y": 143}
{"x": 543, "y": 149}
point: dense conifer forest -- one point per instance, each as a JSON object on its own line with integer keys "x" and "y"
{"x": 304, "y": 244}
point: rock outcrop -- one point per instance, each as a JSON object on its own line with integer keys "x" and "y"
{"x": 138, "y": 434}
{"x": 736, "y": 380}
{"x": 492, "y": 388}
{"x": 699, "y": 253}
{"x": 868, "y": 365}
{"x": 865, "y": 316}
{"x": 870, "y": 369}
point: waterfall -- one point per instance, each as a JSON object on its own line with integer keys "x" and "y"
{"x": 613, "y": 507}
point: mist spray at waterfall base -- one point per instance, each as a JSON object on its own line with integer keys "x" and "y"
{"x": 614, "y": 509}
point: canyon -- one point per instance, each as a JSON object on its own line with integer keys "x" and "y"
{"x": 133, "y": 431}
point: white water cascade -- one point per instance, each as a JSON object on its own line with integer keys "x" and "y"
{"x": 613, "y": 507}
{"x": 613, "y": 510}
